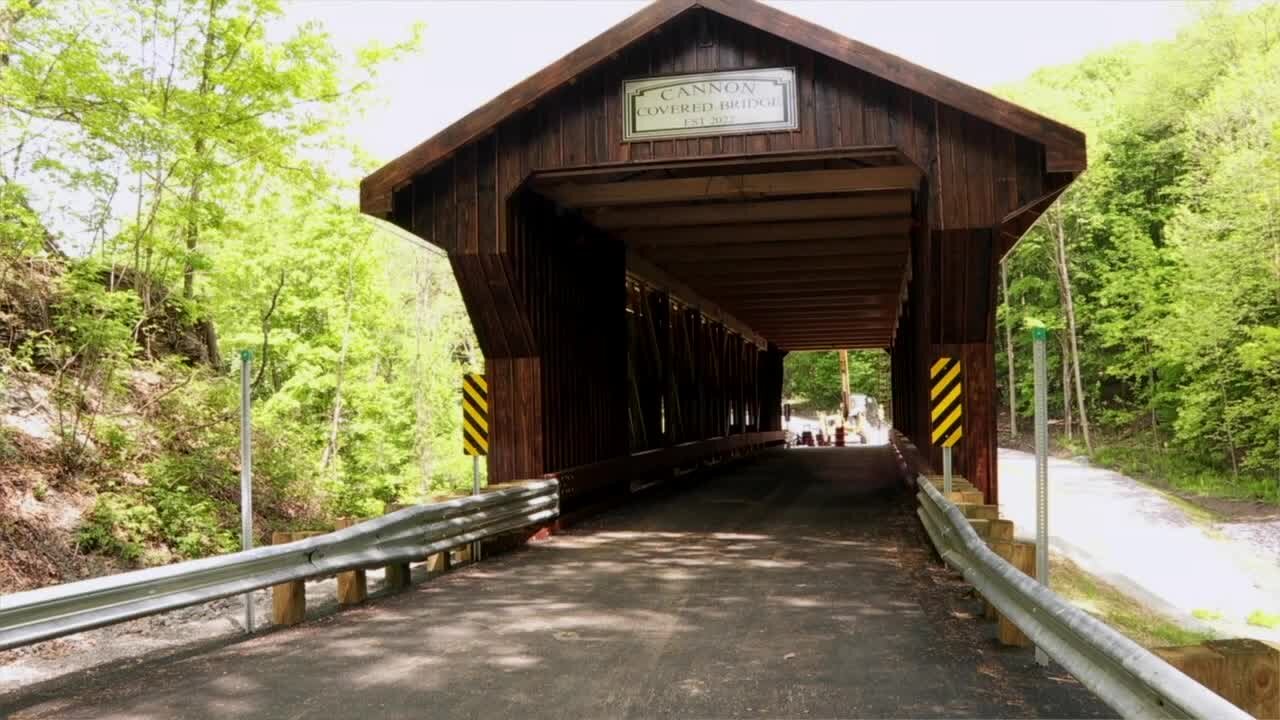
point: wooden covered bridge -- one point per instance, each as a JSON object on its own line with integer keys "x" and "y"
{"x": 642, "y": 230}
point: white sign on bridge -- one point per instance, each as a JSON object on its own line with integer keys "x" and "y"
{"x": 722, "y": 103}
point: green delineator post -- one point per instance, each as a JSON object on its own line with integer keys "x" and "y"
{"x": 246, "y": 474}
{"x": 1038, "y": 336}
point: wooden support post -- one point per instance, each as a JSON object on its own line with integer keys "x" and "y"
{"x": 397, "y": 574}
{"x": 438, "y": 563}
{"x": 1023, "y": 557}
{"x": 353, "y": 586}
{"x": 1004, "y": 549}
{"x": 979, "y": 512}
{"x": 460, "y": 556}
{"x": 958, "y": 483}
{"x": 1245, "y": 672}
{"x": 289, "y": 600}
{"x": 999, "y": 532}
{"x": 963, "y": 497}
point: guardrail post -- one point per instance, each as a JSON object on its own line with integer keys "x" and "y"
{"x": 438, "y": 562}
{"x": 978, "y": 511}
{"x": 1000, "y": 540}
{"x": 1022, "y": 557}
{"x": 462, "y": 555}
{"x": 289, "y": 600}
{"x": 1245, "y": 672}
{"x": 396, "y": 574}
{"x": 353, "y": 585}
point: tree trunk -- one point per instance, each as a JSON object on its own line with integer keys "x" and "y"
{"x": 1151, "y": 395}
{"x": 1226, "y": 425}
{"x": 1064, "y": 285}
{"x": 1008, "y": 350}
{"x": 266, "y": 332}
{"x": 1068, "y": 432}
{"x": 422, "y": 410}
{"x": 844, "y": 386}
{"x": 192, "y": 232}
{"x": 335, "y": 424}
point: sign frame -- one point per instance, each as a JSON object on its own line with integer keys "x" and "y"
{"x": 784, "y": 76}
{"x": 946, "y": 401}
{"x": 475, "y": 415}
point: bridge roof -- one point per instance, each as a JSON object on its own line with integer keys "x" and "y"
{"x": 1064, "y": 146}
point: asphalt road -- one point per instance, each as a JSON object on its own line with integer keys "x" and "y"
{"x": 795, "y": 585}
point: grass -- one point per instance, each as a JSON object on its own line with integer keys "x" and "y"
{"x": 1260, "y": 618}
{"x": 1126, "y": 615}
{"x": 1171, "y": 469}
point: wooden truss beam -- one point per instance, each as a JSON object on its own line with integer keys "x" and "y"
{"x": 733, "y": 295}
{"x": 862, "y": 205}
{"x": 890, "y": 247}
{"x": 798, "y": 268}
{"x": 751, "y": 304}
{"x": 762, "y": 232}
{"x": 649, "y": 274}
{"x": 733, "y": 187}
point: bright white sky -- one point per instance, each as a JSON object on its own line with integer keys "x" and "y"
{"x": 475, "y": 49}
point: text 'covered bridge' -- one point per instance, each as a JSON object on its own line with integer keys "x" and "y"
{"x": 642, "y": 230}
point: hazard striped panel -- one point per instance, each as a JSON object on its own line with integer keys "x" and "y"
{"x": 946, "y": 414}
{"x": 475, "y": 414}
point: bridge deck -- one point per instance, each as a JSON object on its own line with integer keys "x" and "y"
{"x": 793, "y": 585}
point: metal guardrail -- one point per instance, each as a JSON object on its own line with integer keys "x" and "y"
{"x": 401, "y": 536}
{"x": 1133, "y": 681}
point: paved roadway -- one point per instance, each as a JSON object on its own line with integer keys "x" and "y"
{"x": 795, "y": 585}
{"x": 1138, "y": 539}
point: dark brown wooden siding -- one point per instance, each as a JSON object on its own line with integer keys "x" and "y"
{"x": 978, "y": 172}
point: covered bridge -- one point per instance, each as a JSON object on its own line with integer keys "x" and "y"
{"x": 643, "y": 229}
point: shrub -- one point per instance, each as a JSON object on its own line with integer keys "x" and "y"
{"x": 8, "y": 446}
{"x": 119, "y": 527}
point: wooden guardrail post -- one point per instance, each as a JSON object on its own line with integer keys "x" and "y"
{"x": 957, "y": 482}
{"x": 1022, "y": 557}
{"x": 460, "y": 555}
{"x": 353, "y": 585}
{"x": 978, "y": 511}
{"x": 397, "y": 573}
{"x": 999, "y": 538}
{"x": 966, "y": 497}
{"x": 289, "y": 600}
{"x": 441, "y": 561}
{"x": 1245, "y": 672}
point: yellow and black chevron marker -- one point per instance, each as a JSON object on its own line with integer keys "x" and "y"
{"x": 946, "y": 406}
{"x": 475, "y": 414}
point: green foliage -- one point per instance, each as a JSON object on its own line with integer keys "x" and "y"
{"x": 1183, "y": 472}
{"x": 811, "y": 380}
{"x": 1174, "y": 252}
{"x": 1263, "y": 619}
{"x": 8, "y": 447}
{"x": 1119, "y": 610}
{"x": 118, "y": 526}
{"x": 234, "y": 236}
{"x": 90, "y": 344}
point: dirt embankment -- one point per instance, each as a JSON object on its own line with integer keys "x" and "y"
{"x": 40, "y": 508}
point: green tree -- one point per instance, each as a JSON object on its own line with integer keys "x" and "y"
{"x": 811, "y": 380}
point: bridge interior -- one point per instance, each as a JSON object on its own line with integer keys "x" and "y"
{"x": 793, "y": 584}
{"x": 804, "y": 250}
